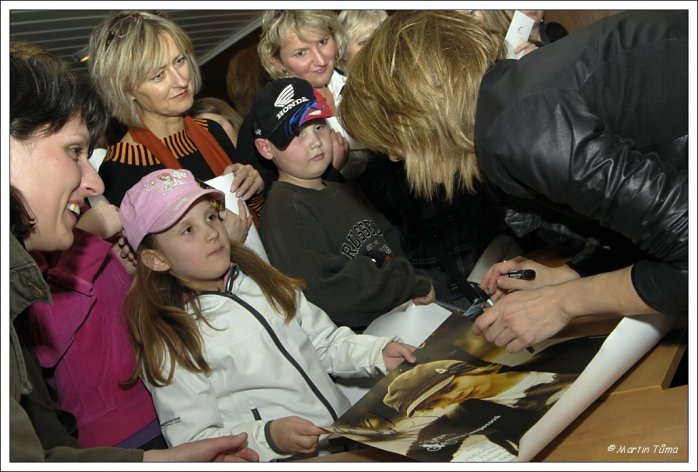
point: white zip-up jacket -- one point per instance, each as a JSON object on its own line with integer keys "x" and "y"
{"x": 263, "y": 369}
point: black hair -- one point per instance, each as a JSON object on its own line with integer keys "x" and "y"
{"x": 44, "y": 95}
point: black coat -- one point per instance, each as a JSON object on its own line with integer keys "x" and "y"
{"x": 594, "y": 127}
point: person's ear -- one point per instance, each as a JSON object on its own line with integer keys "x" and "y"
{"x": 264, "y": 148}
{"x": 155, "y": 261}
{"x": 276, "y": 62}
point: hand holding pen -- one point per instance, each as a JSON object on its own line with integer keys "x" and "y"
{"x": 515, "y": 274}
{"x": 524, "y": 274}
{"x": 526, "y": 308}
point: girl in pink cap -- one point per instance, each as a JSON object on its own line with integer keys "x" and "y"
{"x": 225, "y": 342}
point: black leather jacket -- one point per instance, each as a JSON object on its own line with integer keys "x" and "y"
{"x": 596, "y": 125}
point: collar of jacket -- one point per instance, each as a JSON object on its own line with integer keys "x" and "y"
{"x": 27, "y": 285}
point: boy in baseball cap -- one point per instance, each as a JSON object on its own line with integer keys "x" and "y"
{"x": 283, "y": 106}
{"x": 325, "y": 232}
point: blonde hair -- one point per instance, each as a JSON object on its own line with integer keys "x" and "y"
{"x": 355, "y": 23}
{"x": 498, "y": 20}
{"x": 124, "y": 49}
{"x": 276, "y": 24}
{"x": 413, "y": 90}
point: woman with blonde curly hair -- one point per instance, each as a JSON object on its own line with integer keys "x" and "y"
{"x": 358, "y": 26}
{"x": 307, "y": 44}
{"x": 589, "y": 142}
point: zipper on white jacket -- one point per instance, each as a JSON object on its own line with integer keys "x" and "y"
{"x": 281, "y": 348}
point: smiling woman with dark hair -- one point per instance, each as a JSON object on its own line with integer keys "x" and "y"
{"x": 55, "y": 117}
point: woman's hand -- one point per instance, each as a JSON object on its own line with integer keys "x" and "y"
{"x": 524, "y": 317}
{"x": 340, "y": 150}
{"x": 525, "y": 47}
{"x": 496, "y": 283}
{"x": 246, "y": 181}
{"x": 238, "y": 226}
{"x": 396, "y": 352}
{"x": 222, "y": 449}
{"x": 292, "y": 434}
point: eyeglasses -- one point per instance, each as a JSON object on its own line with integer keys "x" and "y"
{"x": 120, "y": 27}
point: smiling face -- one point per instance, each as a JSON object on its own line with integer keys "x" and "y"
{"x": 535, "y": 15}
{"x": 54, "y": 176}
{"x": 311, "y": 57}
{"x": 167, "y": 92}
{"x": 196, "y": 249}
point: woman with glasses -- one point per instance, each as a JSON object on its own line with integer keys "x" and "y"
{"x": 144, "y": 69}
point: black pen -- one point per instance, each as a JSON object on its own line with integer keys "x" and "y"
{"x": 526, "y": 274}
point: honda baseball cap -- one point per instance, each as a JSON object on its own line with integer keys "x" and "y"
{"x": 158, "y": 201}
{"x": 283, "y": 106}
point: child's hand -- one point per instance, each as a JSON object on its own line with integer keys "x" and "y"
{"x": 426, "y": 299}
{"x": 101, "y": 220}
{"x": 293, "y": 434}
{"x": 395, "y": 352}
{"x": 340, "y": 150}
{"x": 126, "y": 256}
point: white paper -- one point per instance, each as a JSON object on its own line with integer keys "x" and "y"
{"x": 253, "y": 240}
{"x": 623, "y": 348}
{"x": 95, "y": 160}
{"x": 412, "y": 323}
{"x": 519, "y": 31}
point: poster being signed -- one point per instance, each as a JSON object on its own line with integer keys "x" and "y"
{"x": 468, "y": 400}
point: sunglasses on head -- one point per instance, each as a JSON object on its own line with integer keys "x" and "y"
{"x": 120, "y": 27}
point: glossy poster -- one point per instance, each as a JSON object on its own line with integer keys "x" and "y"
{"x": 466, "y": 399}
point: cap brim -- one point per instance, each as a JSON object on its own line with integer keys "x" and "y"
{"x": 282, "y": 135}
{"x": 170, "y": 216}
{"x": 427, "y": 393}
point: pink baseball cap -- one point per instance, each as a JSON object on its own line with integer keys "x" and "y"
{"x": 158, "y": 201}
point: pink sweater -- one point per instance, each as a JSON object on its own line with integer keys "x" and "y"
{"x": 83, "y": 336}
